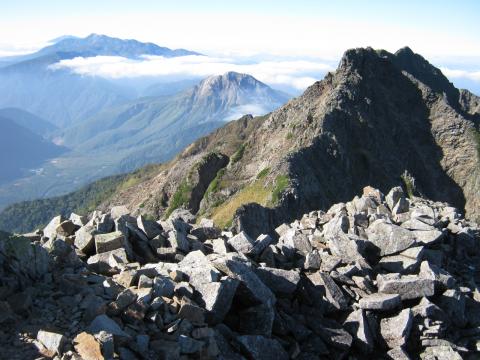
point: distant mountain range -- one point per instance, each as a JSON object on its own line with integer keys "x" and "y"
{"x": 149, "y": 129}
{"x": 65, "y": 98}
{"x": 67, "y": 47}
{"x": 123, "y": 137}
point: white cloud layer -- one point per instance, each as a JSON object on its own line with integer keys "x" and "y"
{"x": 461, "y": 74}
{"x": 297, "y": 74}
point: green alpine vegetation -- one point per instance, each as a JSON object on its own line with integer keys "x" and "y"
{"x": 29, "y": 215}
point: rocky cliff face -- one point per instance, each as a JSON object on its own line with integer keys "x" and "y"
{"x": 379, "y": 276}
{"x": 380, "y": 119}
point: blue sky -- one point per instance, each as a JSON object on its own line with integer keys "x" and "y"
{"x": 445, "y": 32}
{"x": 427, "y": 20}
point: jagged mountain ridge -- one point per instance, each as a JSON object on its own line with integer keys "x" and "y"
{"x": 378, "y": 117}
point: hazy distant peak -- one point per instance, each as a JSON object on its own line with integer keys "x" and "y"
{"x": 99, "y": 44}
{"x": 61, "y": 38}
{"x": 230, "y": 80}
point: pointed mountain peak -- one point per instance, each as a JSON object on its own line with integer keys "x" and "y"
{"x": 232, "y": 77}
{"x": 405, "y": 51}
{"x": 422, "y": 70}
{"x": 370, "y": 61}
{"x": 230, "y": 80}
{"x": 356, "y": 58}
{"x": 95, "y": 35}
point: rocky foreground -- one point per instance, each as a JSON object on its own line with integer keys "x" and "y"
{"x": 377, "y": 277}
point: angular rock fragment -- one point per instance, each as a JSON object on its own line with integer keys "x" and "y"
{"x": 395, "y": 330}
{"x": 443, "y": 280}
{"x": 401, "y": 206}
{"x": 427, "y": 237}
{"x": 258, "y": 347}
{"x": 389, "y": 238}
{"x": 104, "y": 323}
{"x": 103, "y": 222}
{"x": 126, "y": 278}
{"x": 87, "y": 347}
{"x": 407, "y": 286}
{"x": 253, "y": 289}
{"x": 346, "y": 247}
{"x": 357, "y": 325}
{"x": 104, "y": 262}
{"x": 198, "y": 268}
{"x": 442, "y": 352}
{"x": 242, "y": 243}
{"x": 124, "y": 299}
{"x": 206, "y": 230}
{"x": 381, "y": 302}
{"x": 149, "y": 227}
{"x": 191, "y": 312}
{"x": 293, "y": 241}
{"x": 281, "y": 282}
{"x": 313, "y": 261}
{"x": 178, "y": 240}
{"x": 427, "y": 309}
{"x": 405, "y": 262}
{"x": 65, "y": 228}
{"x": 50, "y": 230}
{"x": 78, "y": 220}
{"x": 416, "y": 224}
{"x": 262, "y": 242}
{"x": 397, "y": 354}
{"x": 163, "y": 286}
{"x": 393, "y": 196}
{"x": 85, "y": 239}
{"x": 52, "y": 341}
{"x": 217, "y": 297}
{"x": 109, "y": 242}
{"x": 332, "y": 291}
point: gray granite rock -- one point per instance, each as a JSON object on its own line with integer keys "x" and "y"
{"x": 395, "y": 330}
{"x": 407, "y": 286}
{"x": 381, "y": 302}
{"x": 389, "y": 238}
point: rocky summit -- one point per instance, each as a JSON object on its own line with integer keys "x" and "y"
{"x": 381, "y": 276}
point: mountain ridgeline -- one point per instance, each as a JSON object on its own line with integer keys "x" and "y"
{"x": 32, "y": 83}
{"x": 380, "y": 119}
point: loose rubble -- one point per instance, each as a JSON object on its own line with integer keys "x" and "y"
{"x": 377, "y": 277}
